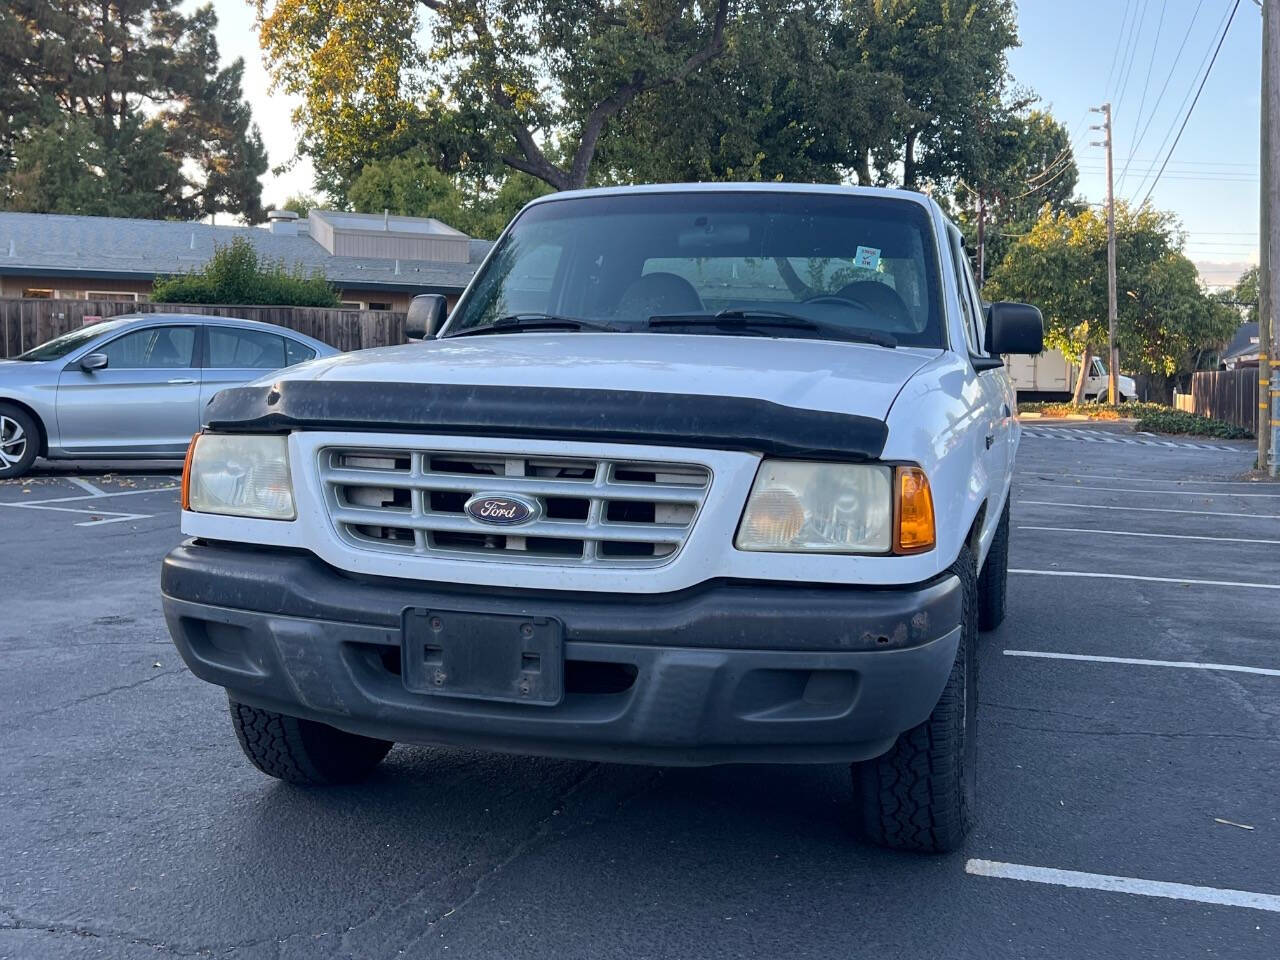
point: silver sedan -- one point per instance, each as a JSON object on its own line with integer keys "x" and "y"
{"x": 132, "y": 387}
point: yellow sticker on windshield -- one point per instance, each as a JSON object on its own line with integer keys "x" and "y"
{"x": 868, "y": 258}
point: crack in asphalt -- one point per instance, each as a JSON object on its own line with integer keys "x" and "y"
{"x": 100, "y": 694}
{"x": 1159, "y": 734}
{"x": 12, "y": 921}
{"x": 541, "y": 831}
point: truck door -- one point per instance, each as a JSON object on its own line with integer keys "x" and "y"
{"x": 999, "y": 402}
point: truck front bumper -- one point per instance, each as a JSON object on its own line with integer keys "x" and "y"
{"x": 728, "y": 672}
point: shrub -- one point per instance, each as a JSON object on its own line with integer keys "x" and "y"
{"x": 1179, "y": 421}
{"x": 1094, "y": 411}
{"x": 236, "y": 275}
{"x": 1151, "y": 417}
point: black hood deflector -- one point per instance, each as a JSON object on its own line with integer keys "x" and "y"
{"x": 549, "y": 413}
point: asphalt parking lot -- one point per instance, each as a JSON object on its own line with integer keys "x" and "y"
{"x": 1129, "y": 738}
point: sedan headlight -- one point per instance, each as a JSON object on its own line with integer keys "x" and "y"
{"x": 239, "y": 475}
{"x": 802, "y": 507}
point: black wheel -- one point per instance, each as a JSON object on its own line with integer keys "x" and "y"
{"x": 19, "y": 441}
{"x": 993, "y": 581}
{"x": 920, "y": 795}
{"x": 303, "y": 751}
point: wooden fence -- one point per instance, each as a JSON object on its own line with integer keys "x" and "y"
{"x": 1230, "y": 395}
{"x": 25, "y": 323}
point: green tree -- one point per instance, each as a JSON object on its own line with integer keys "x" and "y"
{"x": 409, "y": 185}
{"x": 1244, "y": 295}
{"x": 529, "y": 84}
{"x": 950, "y": 57}
{"x": 1166, "y": 322}
{"x": 301, "y": 203}
{"x": 235, "y": 274}
{"x": 1023, "y": 163}
{"x": 160, "y": 129}
{"x": 813, "y": 110}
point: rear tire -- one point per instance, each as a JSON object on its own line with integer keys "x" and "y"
{"x": 303, "y": 751}
{"x": 920, "y": 795}
{"x": 19, "y": 441}
{"x": 993, "y": 582}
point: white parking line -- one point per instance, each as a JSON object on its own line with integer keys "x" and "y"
{"x": 1132, "y": 885}
{"x": 1136, "y": 662}
{"x": 86, "y": 486}
{"x": 1163, "y": 493}
{"x": 1094, "y": 531}
{"x": 1127, "y": 509}
{"x": 100, "y": 515}
{"x": 1099, "y": 476}
{"x": 1134, "y": 576}
{"x": 92, "y": 496}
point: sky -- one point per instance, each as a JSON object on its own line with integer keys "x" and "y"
{"x": 1145, "y": 56}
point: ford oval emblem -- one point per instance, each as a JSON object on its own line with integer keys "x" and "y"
{"x": 501, "y": 508}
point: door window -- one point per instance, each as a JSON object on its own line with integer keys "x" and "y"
{"x": 296, "y": 352}
{"x": 968, "y": 308}
{"x": 230, "y": 348}
{"x": 153, "y": 348}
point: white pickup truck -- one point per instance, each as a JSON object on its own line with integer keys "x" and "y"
{"x": 692, "y": 474}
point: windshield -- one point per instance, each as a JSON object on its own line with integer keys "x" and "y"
{"x": 59, "y": 347}
{"x": 856, "y": 263}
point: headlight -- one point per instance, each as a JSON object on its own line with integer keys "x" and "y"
{"x": 798, "y": 507}
{"x": 239, "y": 475}
{"x": 819, "y": 508}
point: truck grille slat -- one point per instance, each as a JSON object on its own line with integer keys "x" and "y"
{"x": 610, "y": 512}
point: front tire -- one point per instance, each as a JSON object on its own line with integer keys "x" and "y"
{"x": 19, "y": 441}
{"x": 919, "y": 796}
{"x": 304, "y": 752}
{"x": 993, "y": 582}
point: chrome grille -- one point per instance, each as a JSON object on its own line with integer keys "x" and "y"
{"x": 593, "y": 511}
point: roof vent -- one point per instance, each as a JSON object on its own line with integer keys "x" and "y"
{"x": 283, "y": 223}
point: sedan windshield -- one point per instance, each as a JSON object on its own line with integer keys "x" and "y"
{"x": 750, "y": 263}
{"x": 59, "y": 347}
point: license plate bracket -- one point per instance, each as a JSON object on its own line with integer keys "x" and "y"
{"x": 483, "y": 656}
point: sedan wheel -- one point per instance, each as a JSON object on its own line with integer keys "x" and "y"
{"x": 18, "y": 442}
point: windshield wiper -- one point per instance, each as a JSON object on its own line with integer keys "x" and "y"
{"x": 519, "y": 322}
{"x": 745, "y": 319}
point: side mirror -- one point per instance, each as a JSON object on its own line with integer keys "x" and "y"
{"x": 427, "y": 312}
{"x": 1014, "y": 328}
{"x": 93, "y": 361}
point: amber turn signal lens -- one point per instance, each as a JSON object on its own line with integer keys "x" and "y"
{"x": 914, "y": 530}
{"x": 186, "y": 473}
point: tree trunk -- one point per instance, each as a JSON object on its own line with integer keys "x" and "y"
{"x": 909, "y": 161}
{"x": 1086, "y": 360}
{"x": 862, "y": 167}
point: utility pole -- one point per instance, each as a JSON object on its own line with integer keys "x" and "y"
{"x": 1264, "y": 231}
{"x": 1269, "y": 241}
{"x": 1113, "y": 357}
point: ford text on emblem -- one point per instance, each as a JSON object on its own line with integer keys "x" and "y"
{"x": 501, "y": 509}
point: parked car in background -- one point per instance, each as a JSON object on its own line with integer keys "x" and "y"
{"x": 132, "y": 387}
{"x": 1051, "y": 376}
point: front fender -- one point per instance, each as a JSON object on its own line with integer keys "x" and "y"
{"x": 940, "y": 421}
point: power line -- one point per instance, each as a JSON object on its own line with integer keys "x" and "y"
{"x": 1222, "y": 25}
{"x": 1124, "y": 19}
{"x": 1139, "y": 22}
{"x": 1137, "y": 117}
{"x": 1177, "y": 58}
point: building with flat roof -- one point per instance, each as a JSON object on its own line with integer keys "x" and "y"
{"x": 375, "y": 261}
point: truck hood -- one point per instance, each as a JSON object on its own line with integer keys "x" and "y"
{"x": 823, "y": 375}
